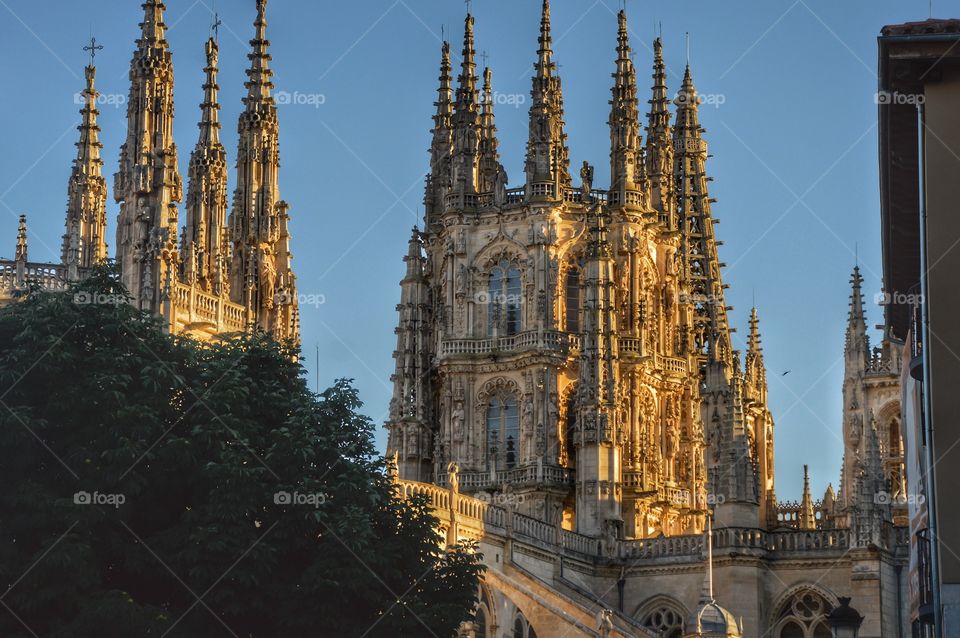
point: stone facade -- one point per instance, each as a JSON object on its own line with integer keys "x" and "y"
{"x": 564, "y": 370}
{"x": 222, "y": 275}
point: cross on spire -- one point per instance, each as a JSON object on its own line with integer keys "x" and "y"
{"x": 92, "y": 48}
{"x": 215, "y": 27}
{"x": 469, "y": 4}
{"x": 484, "y": 56}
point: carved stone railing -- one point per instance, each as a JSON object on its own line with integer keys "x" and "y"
{"x": 194, "y": 306}
{"x": 528, "y": 475}
{"x": 46, "y": 276}
{"x": 671, "y": 365}
{"x": 547, "y": 340}
{"x": 479, "y": 517}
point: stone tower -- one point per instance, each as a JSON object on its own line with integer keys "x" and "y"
{"x": 568, "y": 347}
{"x": 261, "y": 276}
{"x": 148, "y": 185}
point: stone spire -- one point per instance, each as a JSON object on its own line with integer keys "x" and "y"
{"x": 855, "y": 424}
{"x": 808, "y": 519}
{"x": 205, "y": 253}
{"x": 599, "y": 452}
{"x": 466, "y": 122}
{"x": 493, "y": 177}
{"x": 410, "y": 437}
{"x": 548, "y": 158}
{"x": 85, "y": 241}
{"x": 261, "y": 278}
{"x": 659, "y": 149}
{"x": 148, "y": 185}
{"x": 756, "y": 371}
{"x": 627, "y": 171}
{"x": 700, "y": 262}
{"x": 441, "y": 148}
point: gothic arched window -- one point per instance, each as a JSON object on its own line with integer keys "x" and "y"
{"x": 522, "y": 628}
{"x": 504, "y": 298}
{"x": 666, "y": 621}
{"x": 503, "y": 432}
{"x": 804, "y": 615}
{"x": 572, "y": 300}
{"x": 480, "y": 623}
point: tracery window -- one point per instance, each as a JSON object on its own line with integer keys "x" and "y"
{"x": 504, "y": 298}
{"x": 804, "y": 615}
{"x": 666, "y": 621}
{"x": 522, "y": 628}
{"x": 503, "y": 432}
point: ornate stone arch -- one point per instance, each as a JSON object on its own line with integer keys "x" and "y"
{"x": 500, "y": 389}
{"x": 485, "y": 615}
{"x": 801, "y": 611}
{"x": 663, "y": 614}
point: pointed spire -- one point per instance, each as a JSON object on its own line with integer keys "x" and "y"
{"x": 808, "y": 518}
{"x": 441, "y": 148}
{"x": 829, "y": 498}
{"x": 153, "y": 29}
{"x": 210, "y": 109}
{"x": 84, "y": 242}
{"x": 706, "y": 592}
{"x": 627, "y": 174}
{"x": 492, "y": 172}
{"x": 466, "y": 121}
{"x": 700, "y": 262}
{"x": 659, "y": 149}
{"x": 259, "y": 83}
{"x": 548, "y": 158}
{"x": 205, "y": 255}
{"x": 21, "y": 254}
{"x": 856, "y": 319}
{"x": 414, "y": 258}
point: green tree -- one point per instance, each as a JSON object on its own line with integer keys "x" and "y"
{"x": 154, "y": 486}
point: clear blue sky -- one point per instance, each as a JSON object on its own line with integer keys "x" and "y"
{"x": 792, "y": 127}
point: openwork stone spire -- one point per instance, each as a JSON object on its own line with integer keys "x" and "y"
{"x": 548, "y": 158}
{"x": 466, "y": 121}
{"x": 204, "y": 250}
{"x": 441, "y": 148}
{"x": 659, "y": 150}
{"x": 701, "y": 265}
{"x": 261, "y": 277}
{"x": 493, "y": 177}
{"x": 627, "y": 172}
{"x": 85, "y": 242}
{"x": 21, "y": 254}
{"x": 148, "y": 185}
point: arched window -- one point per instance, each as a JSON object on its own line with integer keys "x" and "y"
{"x": 522, "y": 628}
{"x": 666, "y": 621}
{"x": 504, "y": 299}
{"x": 480, "y": 623}
{"x": 804, "y": 615}
{"x": 572, "y": 300}
{"x": 518, "y": 628}
{"x": 503, "y": 432}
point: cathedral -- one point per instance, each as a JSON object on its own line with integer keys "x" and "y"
{"x": 224, "y": 273}
{"x": 567, "y": 391}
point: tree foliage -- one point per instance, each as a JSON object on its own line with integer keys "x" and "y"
{"x": 154, "y": 486}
